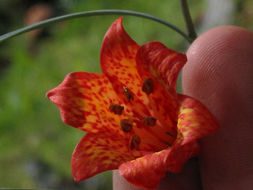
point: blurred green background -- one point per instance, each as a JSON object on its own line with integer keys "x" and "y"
{"x": 35, "y": 146}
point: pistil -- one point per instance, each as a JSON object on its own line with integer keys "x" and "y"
{"x": 149, "y": 121}
{"x": 135, "y": 142}
{"x": 128, "y": 94}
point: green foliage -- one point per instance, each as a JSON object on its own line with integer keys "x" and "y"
{"x": 244, "y": 13}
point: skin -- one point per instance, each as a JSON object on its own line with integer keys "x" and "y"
{"x": 219, "y": 73}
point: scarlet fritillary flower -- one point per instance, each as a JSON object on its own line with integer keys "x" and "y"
{"x": 134, "y": 119}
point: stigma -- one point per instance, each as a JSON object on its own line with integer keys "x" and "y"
{"x": 128, "y": 94}
{"x": 135, "y": 142}
{"x": 149, "y": 121}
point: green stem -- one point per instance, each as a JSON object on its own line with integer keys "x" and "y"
{"x": 188, "y": 20}
{"x": 87, "y": 14}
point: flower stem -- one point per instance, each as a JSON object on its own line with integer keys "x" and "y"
{"x": 188, "y": 20}
{"x": 88, "y": 14}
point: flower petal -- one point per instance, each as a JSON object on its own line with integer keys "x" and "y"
{"x": 146, "y": 171}
{"x": 194, "y": 120}
{"x": 84, "y": 100}
{"x": 99, "y": 152}
{"x": 180, "y": 154}
{"x": 163, "y": 63}
{"x": 119, "y": 65}
{"x": 117, "y": 58}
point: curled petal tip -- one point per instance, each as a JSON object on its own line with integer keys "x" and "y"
{"x": 76, "y": 179}
{"x": 194, "y": 120}
{"x": 50, "y": 94}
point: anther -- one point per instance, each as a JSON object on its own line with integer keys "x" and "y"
{"x": 126, "y": 125}
{"x": 117, "y": 109}
{"x": 148, "y": 86}
{"x": 135, "y": 142}
{"x": 149, "y": 121}
{"x": 128, "y": 94}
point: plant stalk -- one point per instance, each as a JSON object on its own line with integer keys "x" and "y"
{"x": 188, "y": 20}
{"x": 88, "y": 14}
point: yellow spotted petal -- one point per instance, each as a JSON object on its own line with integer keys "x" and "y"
{"x": 84, "y": 100}
{"x": 194, "y": 120}
{"x": 99, "y": 152}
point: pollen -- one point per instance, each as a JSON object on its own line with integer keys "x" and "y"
{"x": 126, "y": 125}
{"x": 148, "y": 86}
{"x": 117, "y": 109}
{"x": 135, "y": 142}
{"x": 128, "y": 94}
{"x": 149, "y": 121}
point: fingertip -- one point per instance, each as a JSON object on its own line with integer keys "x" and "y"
{"x": 223, "y": 36}
{"x": 215, "y": 59}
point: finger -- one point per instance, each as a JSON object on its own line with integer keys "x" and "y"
{"x": 219, "y": 73}
{"x": 187, "y": 179}
{"x": 119, "y": 183}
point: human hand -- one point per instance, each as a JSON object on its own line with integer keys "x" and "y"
{"x": 219, "y": 73}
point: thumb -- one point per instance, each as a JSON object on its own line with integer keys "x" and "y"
{"x": 219, "y": 74}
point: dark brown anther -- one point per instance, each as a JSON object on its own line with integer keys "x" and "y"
{"x": 126, "y": 125}
{"x": 117, "y": 109}
{"x": 148, "y": 86}
{"x": 149, "y": 121}
{"x": 135, "y": 142}
{"x": 128, "y": 94}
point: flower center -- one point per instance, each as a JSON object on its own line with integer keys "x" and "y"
{"x": 126, "y": 125}
{"x": 135, "y": 142}
{"x": 128, "y": 94}
{"x": 149, "y": 121}
{"x": 144, "y": 132}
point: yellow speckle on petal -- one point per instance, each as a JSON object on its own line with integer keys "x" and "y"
{"x": 186, "y": 111}
{"x": 91, "y": 118}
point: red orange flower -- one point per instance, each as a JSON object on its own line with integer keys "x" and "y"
{"x": 134, "y": 119}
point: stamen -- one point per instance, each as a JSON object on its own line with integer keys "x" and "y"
{"x": 149, "y": 121}
{"x": 126, "y": 125}
{"x": 117, "y": 109}
{"x": 128, "y": 94}
{"x": 135, "y": 142}
{"x": 148, "y": 86}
